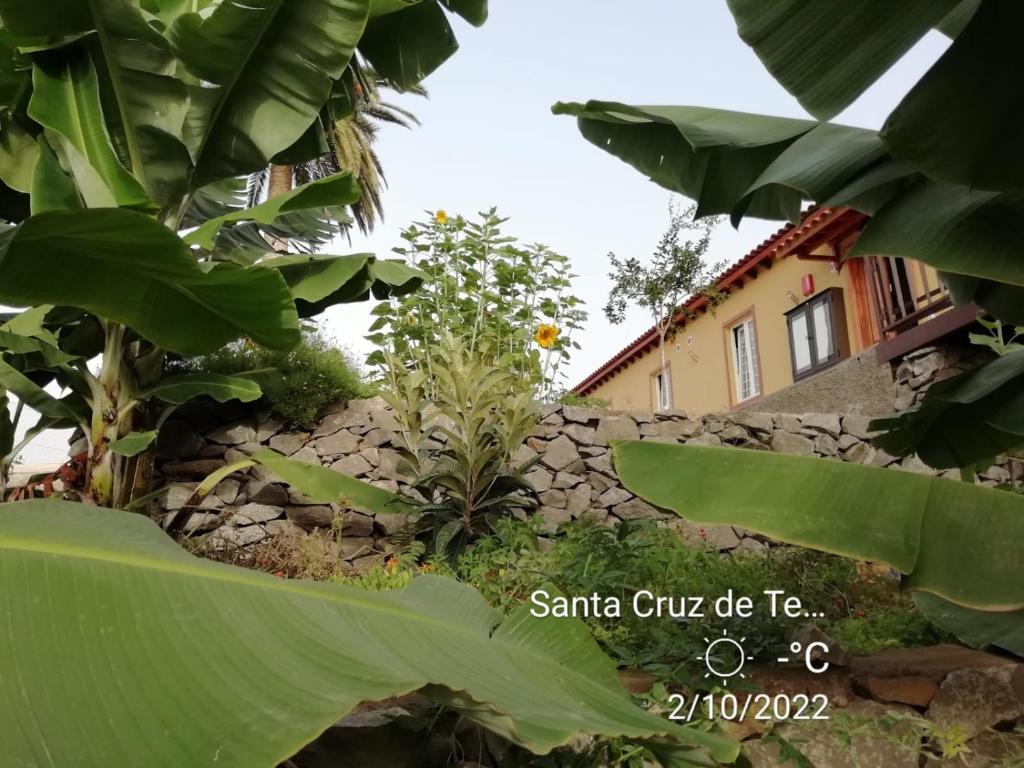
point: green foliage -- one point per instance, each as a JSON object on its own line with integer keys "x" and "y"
{"x": 582, "y": 401}
{"x": 460, "y": 448}
{"x": 308, "y": 378}
{"x": 488, "y": 291}
{"x": 508, "y": 566}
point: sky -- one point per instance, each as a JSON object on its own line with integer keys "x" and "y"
{"x": 488, "y": 138}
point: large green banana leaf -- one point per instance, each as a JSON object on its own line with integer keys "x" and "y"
{"x": 956, "y": 540}
{"x": 126, "y": 267}
{"x": 120, "y": 649}
{"x": 732, "y": 162}
{"x": 273, "y": 64}
{"x": 1003, "y": 629}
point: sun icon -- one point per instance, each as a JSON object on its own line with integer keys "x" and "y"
{"x": 725, "y": 657}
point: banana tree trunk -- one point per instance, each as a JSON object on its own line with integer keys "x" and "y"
{"x": 280, "y": 180}
{"x": 109, "y": 410}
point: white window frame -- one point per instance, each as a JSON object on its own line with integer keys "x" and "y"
{"x": 661, "y": 392}
{"x": 745, "y": 363}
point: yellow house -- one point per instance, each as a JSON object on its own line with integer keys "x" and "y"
{"x": 793, "y": 311}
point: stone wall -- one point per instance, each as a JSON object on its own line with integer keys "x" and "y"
{"x": 574, "y": 476}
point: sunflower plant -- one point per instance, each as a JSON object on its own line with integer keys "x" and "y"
{"x": 504, "y": 300}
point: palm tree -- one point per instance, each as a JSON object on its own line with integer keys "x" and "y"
{"x": 350, "y": 141}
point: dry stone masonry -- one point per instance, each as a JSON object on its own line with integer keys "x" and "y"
{"x": 573, "y": 477}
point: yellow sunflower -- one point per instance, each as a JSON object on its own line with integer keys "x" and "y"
{"x": 441, "y": 217}
{"x": 546, "y": 335}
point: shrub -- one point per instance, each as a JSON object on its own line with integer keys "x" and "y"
{"x": 297, "y": 385}
{"x": 582, "y": 401}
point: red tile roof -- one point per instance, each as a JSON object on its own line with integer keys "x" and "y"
{"x": 816, "y": 225}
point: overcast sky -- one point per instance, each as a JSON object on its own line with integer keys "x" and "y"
{"x": 489, "y": 138}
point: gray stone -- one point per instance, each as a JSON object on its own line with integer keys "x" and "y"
{"x": 384, "y": 419}
{"x": 266, "y": 429}
{"x": 593, "y": 450}
{"x": 233, "y": 434}
{"x": 238, "y": 537}
{"x": 705, "y": 439}
{"x": 201, "y": 521}
{"x": 283, "y": 527}
{"x": 784, "y": 442}
{"x": 211, "y": 451}
{"x": 560, "y": 453}
{"x": 353, "y": 466}
{"x": 721, "y": 537}
{"x": 976, "y": 699}
{"x": 263, "y": 492}
{"x": 356, "y": 546}
{"x": 616, "y": 428}
{"x": 635, "y": 509}
{"x": 388, "y": 485}
{"x": 227, "y": 490}
{"x": 678, "y": 429}
{"x": 734, "y": 434}
{"x": 553, "y": 419}
{"x": 553, "y": 498}
{"x": 336, "y": 422}
{"x": 539, "y": 478}
{"x": 338, "y": 444}
{"x": 578, "y": 500}
{"x": 288, "y": 442}
{"x": 177, "y": 440}
{"x": 613, "y": 496}
{"x": 847, "y": 441}
{"x": 599, "y": 482}
{"x": 787, "y": 422}
{"x": 367, "y": 405}
{"x": 760, "y": 422}
{"x": 857, "y": 426}
{"x": 997, "y": 474}
{"x": 372, "y": 455}
{"x": 663, "y": 440}
{"x": 566, "y": 480}
{"x": 642, "y": 417}
{"x": 177, "y": 495}
{"x": 392, "y": 524}
{"x": 822, "y": 422}
{"x": 882, "y": 459}
{"x": 306, "y": 454}
{"x": 713, "y": 426}
{"x": 194, "y": 468}
{"x": 254, "y": 513}
{"x": 388, "y": 468}
{"x": 553, "y": 518}
{"x": 376, "y": 437}
{"x": 356, "y": 524}
{"x": 311, "y": 516}
{"x": 580, "y": 434}
{"x": 915, "y": 465}
{"x": 861, "y": 453}
{"x": 599, "y": 463}
{"x": 648, "y": 429}
{"x": 580, "y": 415}
{"x": 750, "y": 547}
{"x": 825, "y": 445}
{"x": 523, "y": 454}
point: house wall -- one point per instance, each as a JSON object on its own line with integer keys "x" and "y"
{"x": 699, "y": 357}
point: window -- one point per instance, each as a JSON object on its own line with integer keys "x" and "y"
{"x": 746, "y": 367}
{"x": 817, "y": 333}
{"x": 661, "y": 389}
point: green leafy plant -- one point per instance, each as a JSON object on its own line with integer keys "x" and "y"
{"x": 488, "y": 291}
{"x": 583, "y": 401}
{"x": 476, "y": 423}
{"x": 297, "y": 384}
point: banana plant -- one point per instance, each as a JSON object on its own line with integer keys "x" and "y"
{"x": 124, "y": 128}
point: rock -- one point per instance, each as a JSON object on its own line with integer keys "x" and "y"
{"x": 306, "y": 454}
{"x": 846, "y": 442}
{"x": 713, "y": 426}
{"x": 288, "y": 443}
{"x": 784, "y": 442}
{"x": 367, "y": 404}
{"x": 995, "y": 749}
{"x": 614, "y": 496}
{"x": 233, "y": 434}
{"x": 336, "y": 422}
{"x": 721, "y": 537}
{"x": 227, "y": 490}
{"x": 599, "y": 463}
{"x": 376, "y": 437}
{"x": 616, "y": 428}
{"x": 177, "y": 495}
{"x": 915, "y": 690}
{"x": 356, "y": 546}
{"x": 263, "y": 492}
{"x": 384, "y": 419}
{"x": 857, "y": 426}
{"x": 822, "y": 422}
{"x": 212, "y": 451}
{"x": 578, "y": 500}
{"x": 882, "y": 459}
{"x": 977, "y": 699}
{"x": 599, "y": 482}
{"x": 580, "y": 435}
{"x": 635, "y": 509}
{"x": 201, "y": 521}
{"x": 787, "y": 422}
{"x": 553, "y": 498}
{"x": 934, "y": 662}
{"x": 553, "y": 419}
{"x": 194, "y": 468}
{"x": 283, "y": 527}
{"x": 392, "y": 524}
{"x": 580, "y": 415}
{"x": 677, "y": 429}
{"x": 560, "y": 453}
{"x": 861, "y": 453}
{"x": 353, "y": 466}
{"x": 566, "y": 480}
{"x": 705, "y": 439}
{"x": 523, "y": 454}
{"x": 388, "y": 485}
{"x": 267, "y": 429}
{"x": 825, "y": 445}
{"x": 254, "y": 513}
{"x": 734, "y": 434}
{"x": 750, "y": 547}
{"x": 996, "y": 474}
{"x": 760, "y": 422}
{"x": 238, "y": 537}
{"x": 915, "y": 465}
{"x": 539, "y": 478}
{"x": 356, "y": 524}
{"x": 553, "y": 518}
{"x": 177, "y": 440}
{"x": 340, "y": 443}
{"x": 311, "y": 516}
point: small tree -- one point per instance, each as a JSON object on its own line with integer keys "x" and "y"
{"x": 677, "y": 271}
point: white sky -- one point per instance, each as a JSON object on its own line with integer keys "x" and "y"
{"x": 488, "y": 138}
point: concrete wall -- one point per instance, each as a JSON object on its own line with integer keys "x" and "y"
{"x": 699, "y": 356}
